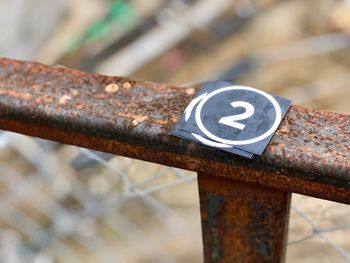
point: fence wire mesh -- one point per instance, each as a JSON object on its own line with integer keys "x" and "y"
{"x": 62, "y": 203}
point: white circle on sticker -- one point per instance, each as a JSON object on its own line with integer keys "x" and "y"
{"x": 273, "y": 128}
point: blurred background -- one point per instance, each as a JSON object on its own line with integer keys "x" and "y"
{"x": 61, "y": 203}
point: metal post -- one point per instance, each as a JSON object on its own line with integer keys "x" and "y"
{"x": 242, "y": 222}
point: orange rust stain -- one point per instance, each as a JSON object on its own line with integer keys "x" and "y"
{"x": 44, "y": 99}
{"x": 13, "y": 93}
{"x": 100, "y": 96}
{"x": 174, "y": 118}
{"x": 75, "y": 92}
{"x": 140, "y": 117}
{"x": 190, "y": 91}
{"x": 79, "y": 106}
{"x": 131, "y": 116}
{"x": 64, "y": 99}
{"x": 126, "y": 85}
{"x": 112, "y": 87}
{"x": 137, "y": 121}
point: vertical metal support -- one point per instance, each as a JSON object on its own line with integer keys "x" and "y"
{"x": 242, "y": 222}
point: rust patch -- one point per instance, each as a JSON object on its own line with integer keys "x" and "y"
{"x": 44, "y": 99}
{"x": 242, "y": 222}
{"x": 17, "y": 94}
{"x": 64, "y": 99}
{"x": 111, "y": 88}
{"x": 126, "y": 85}
{"x": 136, "y": 122}
{"x": 190, "y": 91}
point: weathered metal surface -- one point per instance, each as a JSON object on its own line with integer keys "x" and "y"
{"x": 242, "y": 222}
{"x": 309, "y": 154}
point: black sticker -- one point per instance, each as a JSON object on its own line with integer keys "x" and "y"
{"x": 237, "y": 119}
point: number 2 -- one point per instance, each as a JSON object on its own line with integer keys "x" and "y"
{"x": 232, "y": 120}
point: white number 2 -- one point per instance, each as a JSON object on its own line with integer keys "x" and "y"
{"x": 232, "y": 120}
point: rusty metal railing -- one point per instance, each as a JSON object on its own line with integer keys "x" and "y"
{"x": 244, "y": 203}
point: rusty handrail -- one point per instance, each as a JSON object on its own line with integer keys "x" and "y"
{"x": 244, "y": 203}
{"x": 309, "y": 154}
